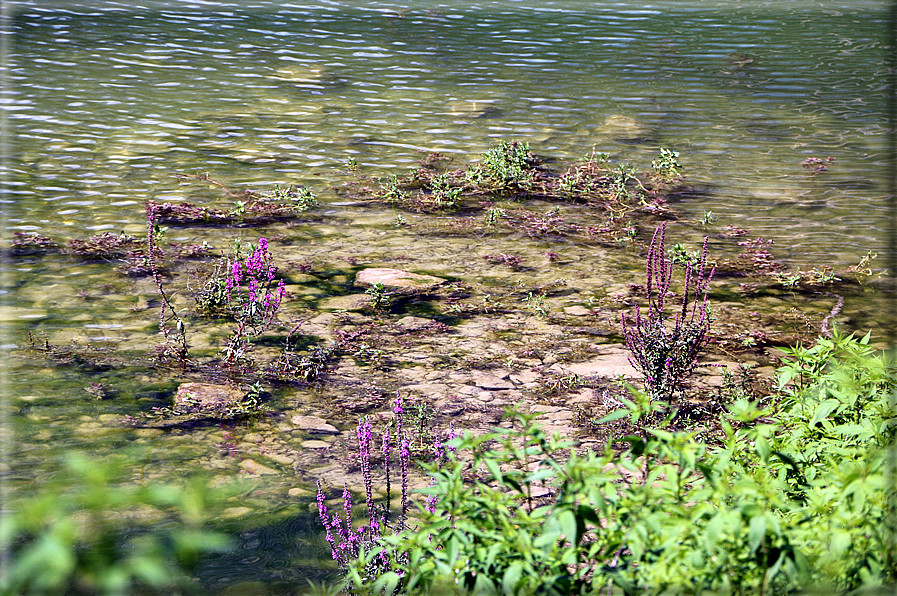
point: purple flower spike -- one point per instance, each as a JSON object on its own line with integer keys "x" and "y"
{"x": 387, "y": 449}
{"x": 452, "y": 436}
{"x": 404, "y": 458}
{"x": 364, "y": 453}
{"x": 432, "y": 500}
{"x": 347, "y": 504}
{"x": 438, "y": 451}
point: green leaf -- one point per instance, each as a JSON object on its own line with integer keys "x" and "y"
{"x": 512, "y": 578}
{"x": 493, "y": 469}
{"x": 756, "y": 531}
{"x": 387, "y": 583}
{"x": 567, "y": 523}
{"x": 762, "y": 447}
{"x": 823, "y": 410}
{"x": 615, "y": 415}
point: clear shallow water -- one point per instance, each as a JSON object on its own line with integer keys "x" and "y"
{"x": 108, "y": 100}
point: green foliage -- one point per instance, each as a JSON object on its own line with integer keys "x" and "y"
{"x": 679, "y": 255}
{"x": 537, "y": 304}
{"x": 815, "y": 276}
{"x": 493, "y": 216}
{"x": 708, "y": 218}
{"x": 618, "y": 181}
{"x": 74, "y": 535}
{"x": 391, "y": 190}
{"x": 302, "y": 199}
{"x": 380, "y": 298}
{"x": 666, "y": 166}
{"x": 444, "y": 195}
{"x": 790, "y": 497}
{"x": 504, "y": 166}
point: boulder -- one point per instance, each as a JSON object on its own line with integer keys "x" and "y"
{"x": 396, "y": 278}
{"x": 314, "y": 425}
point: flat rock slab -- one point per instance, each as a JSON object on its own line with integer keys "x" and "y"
{"x": 313, "y": 444}
{"x": 314, "y": 425}
{"x": 206, "y": 396}
{"x": 610, "y": 363}
{"x": 490, "y": 381}
{"x": 396, "y": 278}
{"x": 414, "y": 323}
{"x": 350, "y": 303}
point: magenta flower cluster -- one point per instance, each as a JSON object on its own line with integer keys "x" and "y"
{"x": 251, "y": 286}
{"x": 347, "y": 543}
{"x": 666, "y": 351}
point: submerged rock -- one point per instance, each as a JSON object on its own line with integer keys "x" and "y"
{"x": 314, "y": 425}
{"x": 396, "y": 278}
{"x": 473, "y": 109}
{"x": 624, "y": 129}
{"x": 352, "y": 302}
{"x": 206, "y": 396}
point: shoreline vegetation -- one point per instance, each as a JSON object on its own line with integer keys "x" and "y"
{"x": 764, "y": 474}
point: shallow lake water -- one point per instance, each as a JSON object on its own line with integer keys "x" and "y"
{"x": 112, "y": 104}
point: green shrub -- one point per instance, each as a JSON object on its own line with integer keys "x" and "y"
{"x": 74, "y": 536}
{"x": 791, "y": 497}
{"x": 505, "y": 166}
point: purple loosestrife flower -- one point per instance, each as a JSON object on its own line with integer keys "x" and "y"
{"x": 404, "y": 458}
{"x": 664, "y": 349}
{"x": 452, "y": 435}
{"x": 325, "y": 520}
{"x": 364, "y": 453}
{"x": 438, "y": 451}
{"x": 347, "y": 504}
{"x": 433, "y": 499}
{"x": 387, "y": 448}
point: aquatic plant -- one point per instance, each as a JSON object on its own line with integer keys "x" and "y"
{"x": 537, "y": 304}
{"x": 506, "y": 166}
{"x": 302, "y": 199}
{"x": 391, "y": 190}
{"x": 816, "y": 165}
{"x": 176, "y": 341}
{"x": 31, "y": 243}
{"x": 619, "y": 180}
{"x": 512, "y": 261}
{"x": 708, "y": 218}
{"x": 682, "y": 256}
{"x": 443, "y": 195}
{"x": 380, "y": 298}
{"x": 493, "y": 216}
{"x": 666, "y": 351}
{"x": 666, "y": 166}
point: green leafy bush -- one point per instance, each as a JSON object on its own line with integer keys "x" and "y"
{"x": 505, "y": 166}
{"x": 81, "y": 534}
{"x": 789, "y": 497}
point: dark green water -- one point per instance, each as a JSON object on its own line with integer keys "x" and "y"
{"x": 106, "y": 101}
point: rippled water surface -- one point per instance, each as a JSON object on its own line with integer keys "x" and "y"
{"x": 108, "y": 101}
